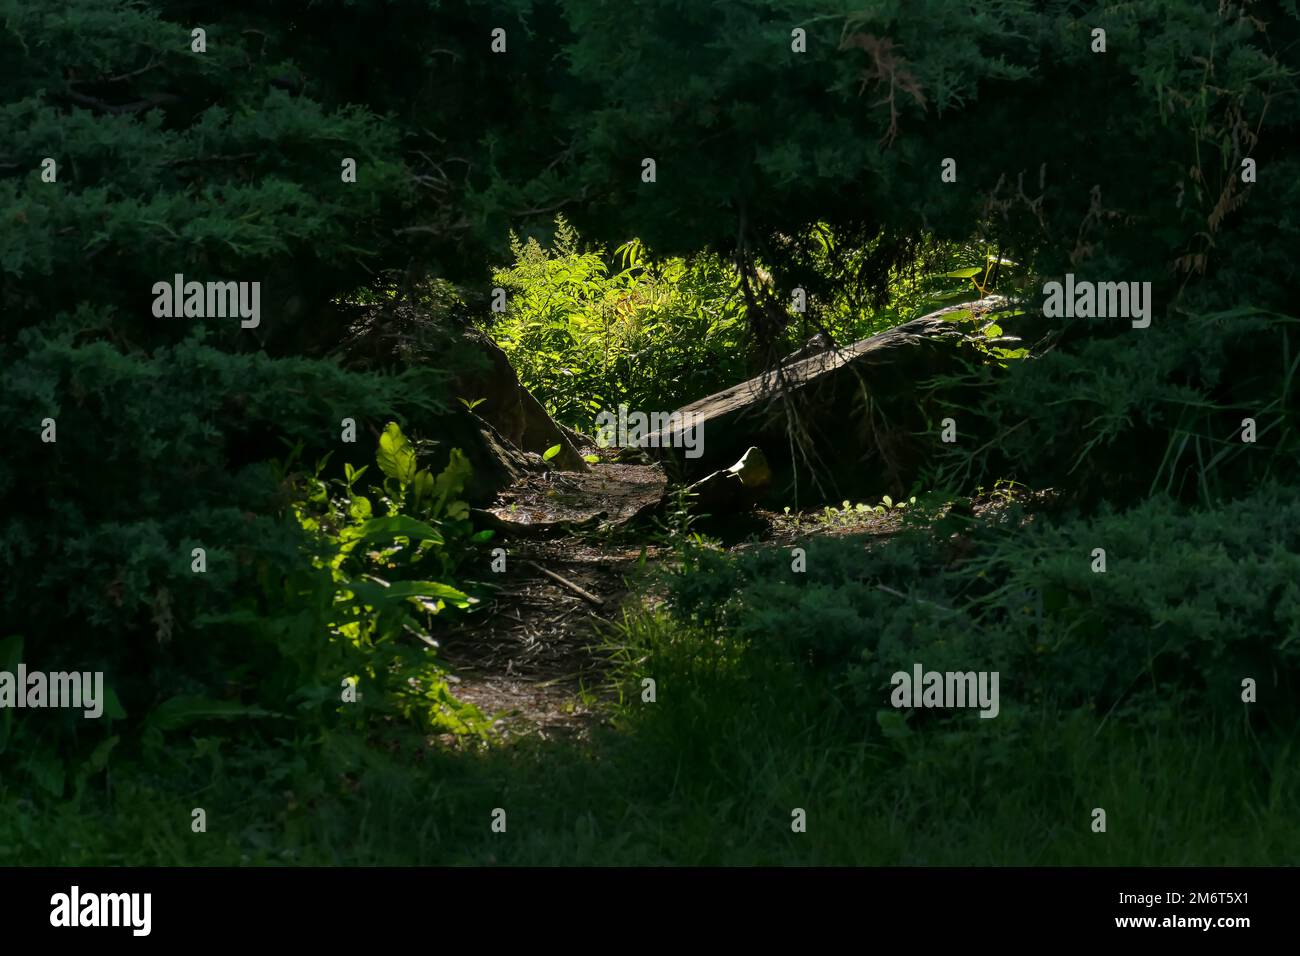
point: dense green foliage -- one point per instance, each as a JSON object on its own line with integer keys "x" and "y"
{"x": 1205, "y": 409}
{"x": 386, "y": 555}
{"x": 1189, "y": 604}
{"x": 170, "y": 430}
{"x": 823, "y": 169}
{"x": 776, "y": 168}
{"x": 585, "y": 338}
{"x": 757, "y": 142}
{"x": 708, "y": 775}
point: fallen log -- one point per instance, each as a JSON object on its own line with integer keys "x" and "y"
{"x": 857, "y": 420}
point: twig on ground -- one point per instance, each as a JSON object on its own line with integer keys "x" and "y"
{"x": 585, "y": 595}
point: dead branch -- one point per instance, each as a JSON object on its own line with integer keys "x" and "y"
{"x": 585, "y": 595}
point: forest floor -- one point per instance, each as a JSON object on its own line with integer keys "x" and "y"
{"x": 532, "y": 657}
{"x": 579, "y": 547}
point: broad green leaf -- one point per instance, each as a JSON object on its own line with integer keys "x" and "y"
{"x": 423, "y": 485}
{"x": 396, "y": 457}
{"x": 394, "y": 526}
{"x": 113, "y": 708}
{"x": 452, "y": 480}
{"x": 378, "y": 593}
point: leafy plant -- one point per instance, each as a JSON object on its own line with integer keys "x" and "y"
{"x": 391, "y": 574}
{"x": 586, "y": 336}
{"x": 1193, "y": 601}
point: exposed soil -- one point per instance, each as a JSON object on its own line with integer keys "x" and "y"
{"x": 533, "y": 656}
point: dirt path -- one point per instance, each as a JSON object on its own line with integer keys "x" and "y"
{"x": 532, "y": 656}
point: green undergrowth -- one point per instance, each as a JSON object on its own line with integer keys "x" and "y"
{"x": 771, "y": 689}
